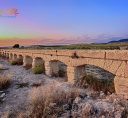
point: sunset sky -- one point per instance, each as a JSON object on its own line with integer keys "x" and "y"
{"x": 50, "y": 22}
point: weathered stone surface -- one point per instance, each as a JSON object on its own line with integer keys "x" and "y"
{"x": 90, "y": 53}
{"x": 117, "y": 55}
{"x": 121, "y": 86}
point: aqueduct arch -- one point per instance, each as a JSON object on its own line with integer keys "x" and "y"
{"x": 58, "y": 68}
{"x": 20, "y": 60}
{"x": 114, "y": 61}
{"x": 39, "y": 62}
{"x": 27, "y": 61}
{"x": 11, "y": 56}
{"x": 15, "y": 57}
{"x": 7, "y": 55}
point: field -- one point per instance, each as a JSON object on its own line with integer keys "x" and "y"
{"x": 111, "y": 46}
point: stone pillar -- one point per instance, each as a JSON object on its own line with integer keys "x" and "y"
{"x": 72, "y": 74}
{"x": 121, "y": 86}
{"x": 7, "y": 56}
{"x": 33, "y": 63}
{"x": 24, "y": 61}
{"x": 47, "y": 68}
{"x": 15, "y": 57}
{"x": 10, "y": 57}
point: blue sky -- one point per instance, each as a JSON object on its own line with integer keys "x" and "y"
{"x": 71, "y": 20}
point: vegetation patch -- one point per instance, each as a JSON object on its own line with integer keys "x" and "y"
{"x": 17, "y": 62}
{"x": 4, "y": 82}
{"x": 74, "y": 55}
{"x": 88, "y": 81}
{"x": 13, "y": 62}
{"x": 38, "y": 69}
{"x": 22, "y": 85}
{"x": 48, "y": 101}
{"x": 36, "y": 84}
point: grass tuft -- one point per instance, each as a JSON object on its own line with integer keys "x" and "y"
{"x": 38, "y": 69}
{"x": 4, "y": 82}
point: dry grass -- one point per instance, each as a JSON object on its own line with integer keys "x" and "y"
{"x": 4, "y": 82}
{"x": 47, "y": 101}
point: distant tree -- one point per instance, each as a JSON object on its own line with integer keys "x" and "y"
{"x": 16, "y": 46}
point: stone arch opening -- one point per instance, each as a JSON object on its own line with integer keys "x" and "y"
{"x": 4, "y": 55}
{"x": 11, "y": 56}
{"x": 20, "y": 60}
{"x": 38, "y": 65}
{"x": 58, "y": 69}
{"x": 7, "y": 55}
{"x": 98, "y": 78}
{"x": 28, "y": 62}
{"x": 15, "y": 57}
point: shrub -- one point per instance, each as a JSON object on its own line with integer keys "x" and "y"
{"x": 13, "y": 62}
{"x": 4, "y": 82}
{"x": 22, "y": 85}
{"x": 74, "y": 55}
{"x": 17, "y": 62}
{"x": 38, "y": 69}
{"x": 47, "y": 101}
{"x": 88, "y": 81}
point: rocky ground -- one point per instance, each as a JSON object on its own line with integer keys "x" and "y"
{"x": 89, "y": 104}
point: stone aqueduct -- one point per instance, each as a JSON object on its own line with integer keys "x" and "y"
{"x": 113, "y": 61}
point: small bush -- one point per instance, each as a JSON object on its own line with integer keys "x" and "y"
{"x": 74, "y": 55}
{"x": 17, "y": 62}
{"x": 88, "y": 81}
{"x": 4, "y": 82}
{"x": 38, "y": 69}
{"x": 47, "y": 101}
{"x": 22, "y": 85}
{"x": 36, "y": 84}
{"x": 13, "y": 62}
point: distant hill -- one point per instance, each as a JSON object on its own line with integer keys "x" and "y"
{"x": 119, "y": 41}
